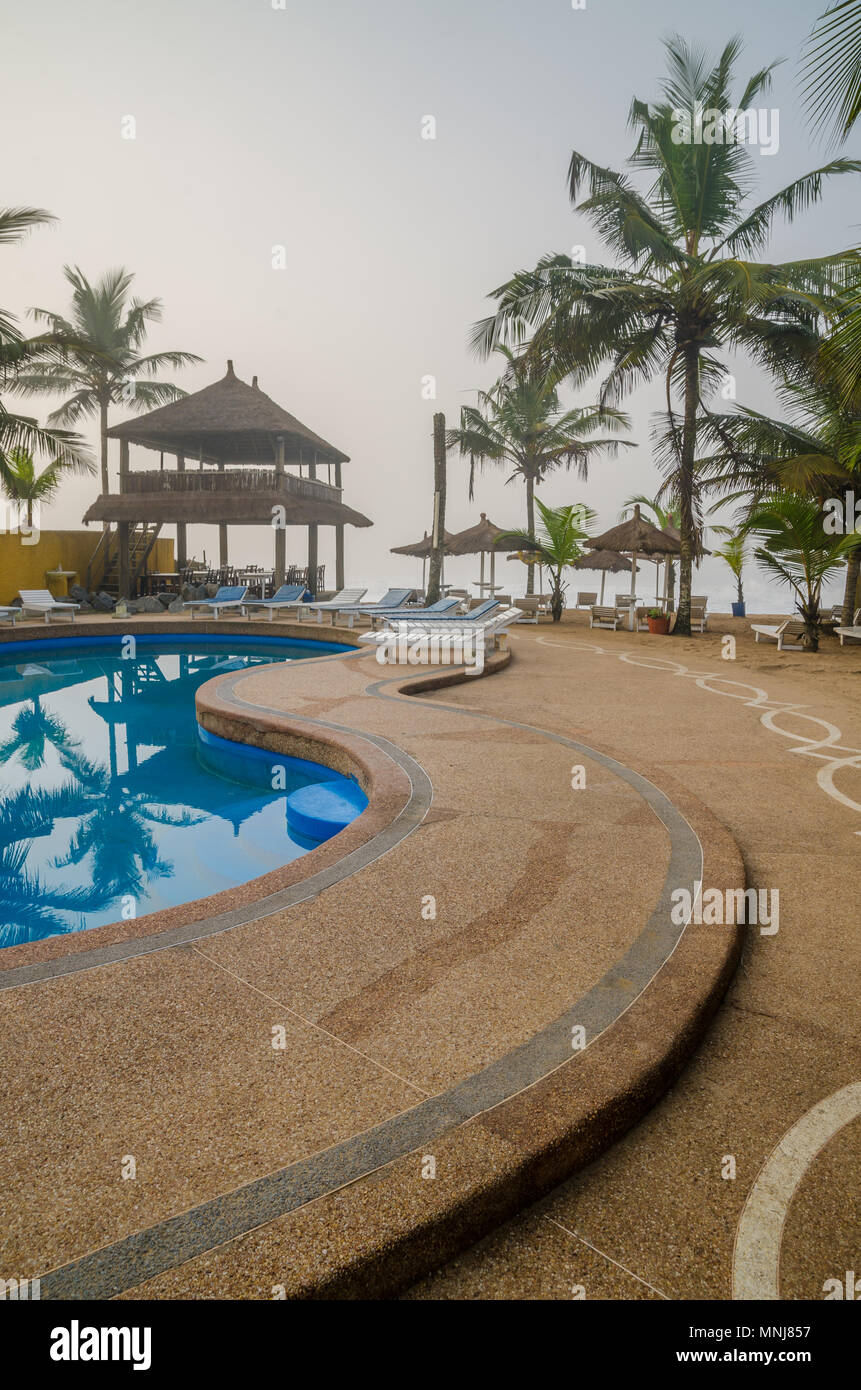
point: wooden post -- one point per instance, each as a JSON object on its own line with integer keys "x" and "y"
{"x": 339, "y": 541}
{"x": 222, "y": 531}
{"x": 280, "y": 531}
{"x": 181, "y": 545}
{"x": 435, "y": 573}
{"x": 313, "y": 537}
{"x": 123, "y": 559}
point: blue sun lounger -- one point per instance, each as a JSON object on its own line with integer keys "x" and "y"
{"x": 436, "y": 610}
{"x": 288, "y": 596}
{"x": 392, "y": 600}
{"x": 228, "y": 596}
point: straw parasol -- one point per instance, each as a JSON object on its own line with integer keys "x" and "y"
{"x": 603, "y": 561}
{"x": 421, "y": 550}
{"x": 634, "y": 537}
{"x": 481, "y": 539}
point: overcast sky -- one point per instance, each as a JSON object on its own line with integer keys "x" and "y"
{"x": 259, "y": 126}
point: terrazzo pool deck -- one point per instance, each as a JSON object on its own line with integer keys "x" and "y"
{"x": 162, "y": 1049}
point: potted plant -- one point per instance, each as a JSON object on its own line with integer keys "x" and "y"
{"x": 659, "y": 621}
{"x": 733, "y": 553}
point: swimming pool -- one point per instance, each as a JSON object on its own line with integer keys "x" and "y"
{"x": 115, "y": 803}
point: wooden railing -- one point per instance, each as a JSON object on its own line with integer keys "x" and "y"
{"x": 230, "y": 480}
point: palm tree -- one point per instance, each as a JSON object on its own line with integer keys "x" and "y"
{"x": 520, "y": 425}
{"x": 686, "y": 291}
{"x": 557, "y": 544}
{"x": 22, "y": 431}
{"x": 797, "y": 551}
{"x": 733, "y": 552}
{"x": 34, "y": 730}
{"x": 815, "y": 451}
{"x": 100, "y": 342}
{"x": 832, "y": 70}
{"x": 22, "y": 484}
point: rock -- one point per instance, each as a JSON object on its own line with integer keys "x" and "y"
{"x": 103, "y": 603}
{"x": 165, "y": 599}
{"x": 176, "y": 606}
{"x": 189, "y": 592}
{"x": 149, "y": 604}
{"x": 201, "y": 591}
{"x": 132, "y": 605}
{"x": 209, "y": 590}
{"x": 85, "y": 607}
{"x": 78, "y": 594}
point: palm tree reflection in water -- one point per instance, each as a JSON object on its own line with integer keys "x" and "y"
{"x": 105, "y": 819}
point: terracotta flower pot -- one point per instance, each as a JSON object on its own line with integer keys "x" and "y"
{"x": 660, "y": 626}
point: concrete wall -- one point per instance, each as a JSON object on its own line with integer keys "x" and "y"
{"x": 23, "y": 566}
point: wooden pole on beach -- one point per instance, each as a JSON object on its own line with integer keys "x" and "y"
{"x": 434, "y": 592}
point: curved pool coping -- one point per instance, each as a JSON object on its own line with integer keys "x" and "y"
{"x": 537, "y": 1112}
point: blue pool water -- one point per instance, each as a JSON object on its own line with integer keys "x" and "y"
{"x": 114, "y": 803}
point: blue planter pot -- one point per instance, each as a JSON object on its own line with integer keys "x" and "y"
{"x": 738, "y": 610}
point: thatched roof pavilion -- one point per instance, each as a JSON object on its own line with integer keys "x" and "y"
{"x": 233, "y": 445}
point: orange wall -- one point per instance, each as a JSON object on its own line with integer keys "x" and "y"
{"x": 23, "y": 566}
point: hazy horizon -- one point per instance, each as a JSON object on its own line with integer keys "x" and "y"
{"x": 259, "y": 127}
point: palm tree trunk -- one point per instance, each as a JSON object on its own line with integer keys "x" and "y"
{"x": 686, "y": 490}
{"x": 853, "y": 569}
{"x": 530, "y": 527}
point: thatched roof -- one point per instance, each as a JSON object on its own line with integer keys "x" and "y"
{"x": 421, "y": 549}
{"x": 482, "y": 537}
{"x": 636, "y": 534}
{"x": 229, "y": 422}
{"x": 242, "y": 508}
{"x": 609, "y": 560}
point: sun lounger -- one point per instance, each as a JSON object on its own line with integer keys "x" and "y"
{"x": 288, "y": 596}
{"x": 699, "y": 616}
{"x": 787, "y": 635}
{"x": 9, "y": 615}
{"x": 392, "y": 599}
{"x": 607, "y": 617}
{"x": 442, "y": 608}
{"x": 228, "y": 596}
{"x": 43, "y": 601}
{"x": 476, "y": 615}
{"x": 345, "y": 598}
{"x": 852, "y": 630}
{"x": 488, "y": 625}
{"x": 586, "y": 600}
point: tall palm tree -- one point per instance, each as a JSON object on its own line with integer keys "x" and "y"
{"x": 23, "y": 485}
{"x": 519, "y": 424}
{"x": 686, "y": 290}
{"x": 16, "y": 351}
{"x": 557, "y": 544}
{"x": 797, "y": 551}
{"x": 102, "y": 363}
{"x": 832, "y": 69}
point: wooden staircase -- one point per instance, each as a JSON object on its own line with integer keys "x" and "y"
{"x": 104, "y": 567}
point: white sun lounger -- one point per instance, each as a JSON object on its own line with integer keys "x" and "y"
{"x": 787, "y": 635}
{"x": 288, "y": 596}
{"x": 10, "y": 614}
{"x": 345, "y": 598}
{"x": 43, "y": 601}
{"x": 853, "y": 631}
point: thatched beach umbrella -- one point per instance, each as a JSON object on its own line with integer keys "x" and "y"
{"x": 604, "y": 562}
{"x": 421, "y": 550}
{"x": 481, "y": 539}
{"x": 634, "y": 537}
